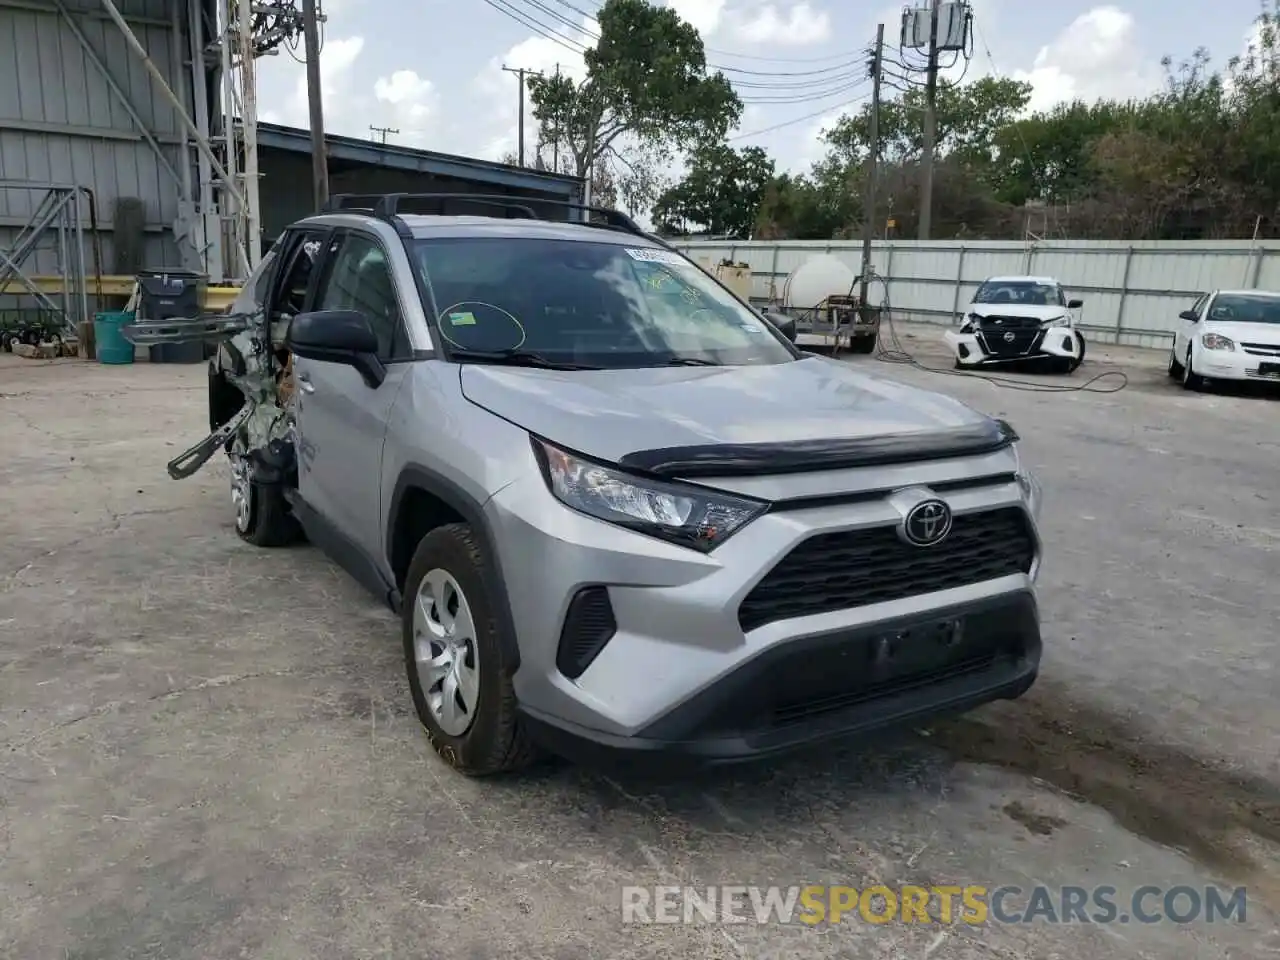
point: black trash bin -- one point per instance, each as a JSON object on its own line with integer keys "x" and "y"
{"x": 173, "y": 294}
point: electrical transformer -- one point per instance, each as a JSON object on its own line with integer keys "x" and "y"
{"x": 953, "y": 27}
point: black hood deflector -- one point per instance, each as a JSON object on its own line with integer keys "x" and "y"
{"x": 759, "y": 459}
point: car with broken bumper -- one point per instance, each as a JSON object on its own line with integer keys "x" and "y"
{"x": 1018, "y": 320}
{"x": 619, "y": 513}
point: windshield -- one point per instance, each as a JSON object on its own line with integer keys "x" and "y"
{"x": 1244, "y": 308}
{"x": 590, "y": 304}
{"x": 1023, "y": 292}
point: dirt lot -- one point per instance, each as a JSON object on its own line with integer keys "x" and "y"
{"x": 208, "y": 751}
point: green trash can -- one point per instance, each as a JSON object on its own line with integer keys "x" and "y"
{"x": 109, "y": 343}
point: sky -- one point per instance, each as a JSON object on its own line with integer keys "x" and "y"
{"x": 433, "y": 69}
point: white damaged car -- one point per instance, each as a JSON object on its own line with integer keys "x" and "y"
{"x": 1019, "y": 320}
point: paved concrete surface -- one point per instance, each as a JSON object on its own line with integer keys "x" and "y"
{"x": 208, "y": 751}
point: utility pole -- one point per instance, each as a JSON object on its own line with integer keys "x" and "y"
{"x": 381, "y": 133}
{"x": 249, "y": 131}
{"x": 873, "y": 151}
{"x": 319, "y": 162}
{"x": 930, "y": 126}
{"x": 519, "y": 72}
{"x": 555, "y": 139}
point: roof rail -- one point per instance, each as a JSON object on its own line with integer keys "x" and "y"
{"x": 386, "y": 206}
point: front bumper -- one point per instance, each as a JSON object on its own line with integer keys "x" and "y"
{"x": 1051, "y": 343}
{"x": 1237, "y": 365}
{"x": 683, "y": 626}
{"x": 837, "y": 686}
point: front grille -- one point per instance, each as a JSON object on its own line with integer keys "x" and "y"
{"x": 856, "y": 568}
{"x": 844, "y": 678}
{"x": 805, "y": 706}
{"x": 1261, "y": 349}
{"x": 1023, "y": 331}
{"x": 1011, "y": 323}
{"x": 589, "y": 624}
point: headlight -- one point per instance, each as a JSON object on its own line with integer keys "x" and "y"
{"x": 678, "y": 514}
{"x": 1057, "y": 322}
{"x": 968, "y": 322}
{"x": 1216, "y": 341}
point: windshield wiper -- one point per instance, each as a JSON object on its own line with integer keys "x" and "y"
{"x": 518, "y": 358}
{"x": 690, "y": 362}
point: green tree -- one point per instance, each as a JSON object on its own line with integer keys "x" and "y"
{"x": 721, "y": 191}
{"x": 970, "y": 116}
{"x": 647, "y": 80}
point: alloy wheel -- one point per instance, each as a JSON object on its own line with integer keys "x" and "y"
{"x": 241, "y": 493}
{"x": 444, "y": 636}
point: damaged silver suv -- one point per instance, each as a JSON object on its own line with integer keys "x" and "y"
{"x": 619, "y": 512}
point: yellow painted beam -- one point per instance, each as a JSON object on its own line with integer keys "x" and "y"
{"x": 216, "y": 298}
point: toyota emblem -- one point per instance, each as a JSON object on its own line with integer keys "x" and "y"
{"x": 927, "y": 523}
{"x": 1009, "y": 337}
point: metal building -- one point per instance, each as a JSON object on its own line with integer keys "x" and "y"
{"x": 129, "y": 139}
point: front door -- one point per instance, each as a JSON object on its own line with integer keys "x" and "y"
{"x": 1185, "y": 329}
{"x": 342, "y": 420}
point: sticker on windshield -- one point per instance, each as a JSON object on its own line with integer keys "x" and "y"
{"x": 463, "y": 318}
{"x": 650, "y": 255}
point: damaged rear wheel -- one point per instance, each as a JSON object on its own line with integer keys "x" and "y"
{"x": 262, "y": 513}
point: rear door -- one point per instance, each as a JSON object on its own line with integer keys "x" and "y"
{"x": 342, "y": 420}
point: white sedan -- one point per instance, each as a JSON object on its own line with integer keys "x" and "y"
{"x": 1227, "y": 335}
{"x": 1015, "y": 320}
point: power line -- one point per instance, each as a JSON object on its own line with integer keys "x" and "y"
{"x": 541, "y": 29}
{"x": 792, "y": 122}
{"x": 528, "y": 18}
{"x": 813, "y": 97}
{"x": 724, "y": 53}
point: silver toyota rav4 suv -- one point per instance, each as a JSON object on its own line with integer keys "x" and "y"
{"x": 618, "y": 511}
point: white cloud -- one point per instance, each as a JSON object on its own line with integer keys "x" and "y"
{"x": 703, "y": 15}
{"x": 811, "y": 147}
{"x": 411, "y": 100}
{"x": 802, "y": 25}
{"x": 336, "y": 63}
{"x": 499, "y": 93}
{"x": 1097, "y": 56}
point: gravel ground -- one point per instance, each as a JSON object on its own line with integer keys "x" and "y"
{"x": 208, "y": 751}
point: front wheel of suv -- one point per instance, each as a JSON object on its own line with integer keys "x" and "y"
{"x": 262, "y": 513}
{"x": 458, "y": 673}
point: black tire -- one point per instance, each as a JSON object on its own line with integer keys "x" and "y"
{"x": 494, "y": 742}
{"x": 863, "y": 344}
{"x": 268, "y": 522}
{"x": 1190, "y": 379}
{"x": 1175, "y": 368}
{"x": 1074, "y": 363}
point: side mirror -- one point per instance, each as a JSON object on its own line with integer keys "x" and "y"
{"x": 338, "y": 336}
{"x": 1074, "y": 304}
{"x": 786, "y": 325}
{"x": 1189, "y": 315}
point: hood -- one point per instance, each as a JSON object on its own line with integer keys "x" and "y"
{"x": 1047, "y": 312}
{"x": 608, "y": 414}
{"x": 1268, "y": 333}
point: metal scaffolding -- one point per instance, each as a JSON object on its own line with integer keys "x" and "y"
{"x": 221, "y": 211}
{"x": 62, "y": 214}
